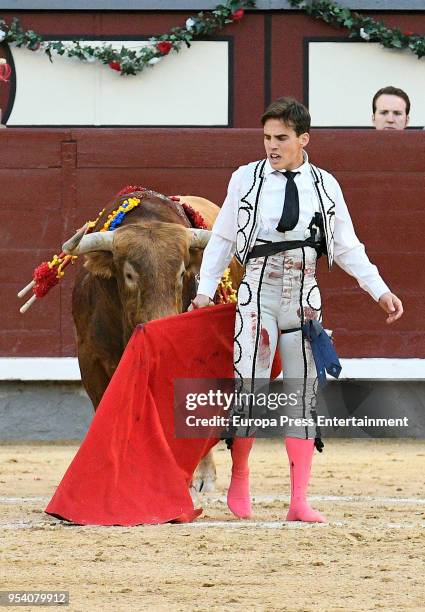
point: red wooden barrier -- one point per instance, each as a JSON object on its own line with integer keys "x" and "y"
{"x": 52, "y": 180}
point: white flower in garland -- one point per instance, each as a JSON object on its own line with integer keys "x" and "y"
{"x": 67, "y": 45}
{"x": 364, "y": 34}
{"x": 2, "y": 35}
{"x": 154, "y": 61}
{"x": 190, "y": 24}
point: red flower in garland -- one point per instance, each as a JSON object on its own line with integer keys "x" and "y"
{"x": 164, "y": 47}
{"x": 115, "y": 66}
{"x": 408, "y": 33}
{"x": 237, "y": 15}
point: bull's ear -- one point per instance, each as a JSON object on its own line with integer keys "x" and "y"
{"x": 100, "y": 263}
{"x": 195, "y": 260}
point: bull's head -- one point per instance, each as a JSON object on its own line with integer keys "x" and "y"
{"x": 153, "y": 264}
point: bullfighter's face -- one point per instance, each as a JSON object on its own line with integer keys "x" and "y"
{"x": 284, "y": 148}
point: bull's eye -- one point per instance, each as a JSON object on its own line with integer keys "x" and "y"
{"x": 130, "y": 275}
{"x": 180, "y": 277}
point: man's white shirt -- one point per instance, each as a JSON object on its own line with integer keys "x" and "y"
{"x": 349, "y": 252}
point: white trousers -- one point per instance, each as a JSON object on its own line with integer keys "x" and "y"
{"x": 279, "y": 293}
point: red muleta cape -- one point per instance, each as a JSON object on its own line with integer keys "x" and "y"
{"x": 130, "y": 469}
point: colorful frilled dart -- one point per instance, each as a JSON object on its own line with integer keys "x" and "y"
{"x": 195, "y": 218}
{"x": 225, "y": 292}
{"x": 49, "y": 273}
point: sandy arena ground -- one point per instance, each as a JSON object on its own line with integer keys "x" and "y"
{"x": 368, "y": 557}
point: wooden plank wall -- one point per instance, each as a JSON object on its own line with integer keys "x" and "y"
{"x": 52, "y": 180}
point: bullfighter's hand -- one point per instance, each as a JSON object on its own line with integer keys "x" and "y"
{"x": 200, "y": 301}
{"x": 392, "y": 305}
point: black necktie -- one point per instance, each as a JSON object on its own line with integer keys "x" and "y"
{"x": 291, "y": 205}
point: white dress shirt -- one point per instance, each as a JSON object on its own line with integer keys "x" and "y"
{"x": 273, "y": 197}
{"x": 349, "y": 253}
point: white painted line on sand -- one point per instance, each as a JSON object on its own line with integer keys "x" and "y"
{"x": 261, "y": 499}
{"x": 22, "y": 500}
{"x": 360, "y": 499}
{"x": 298, "y": 525}
{"x": 232, "y": 524}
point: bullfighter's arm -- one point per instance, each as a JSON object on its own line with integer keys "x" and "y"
{"x": 214, "y": 263}
{"x": 222, "y": 244}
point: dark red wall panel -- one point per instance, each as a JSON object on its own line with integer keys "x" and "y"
{"x": 162, "y": 147}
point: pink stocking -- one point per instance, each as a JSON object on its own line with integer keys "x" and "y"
{"x": 300, "y": 454}
{"x": 238, "y": 497}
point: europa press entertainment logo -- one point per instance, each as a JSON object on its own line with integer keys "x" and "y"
{"x": 206, "y": 408}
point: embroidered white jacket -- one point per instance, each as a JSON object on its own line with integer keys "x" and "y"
{"x": 238, "y": 224}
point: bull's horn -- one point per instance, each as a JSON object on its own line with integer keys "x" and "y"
{"x": 199, "y": 239}
{"x": 98, "y": 241}
{"x": 72, "y": 243}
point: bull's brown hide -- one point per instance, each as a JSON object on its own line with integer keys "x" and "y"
{"x": 149, "y": 274}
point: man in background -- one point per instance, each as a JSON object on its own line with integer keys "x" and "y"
{"x": 390, "y": 107}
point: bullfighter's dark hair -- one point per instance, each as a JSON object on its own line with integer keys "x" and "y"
{"x": 391, "y": 91}
{"x": 291, "y": 112}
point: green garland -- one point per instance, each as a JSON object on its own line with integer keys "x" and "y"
{"x": 130, "y": 61}
{"x": 366, "y": 27}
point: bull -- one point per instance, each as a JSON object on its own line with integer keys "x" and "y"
{"x": 143, "y": 270}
